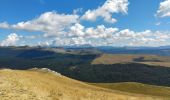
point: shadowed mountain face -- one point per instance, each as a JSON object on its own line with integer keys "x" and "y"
{"x": 25, "y": 58}
{"x": 77, "y": 64}
{"x": 132, "y": 72}
{"x": 35, "y": 54}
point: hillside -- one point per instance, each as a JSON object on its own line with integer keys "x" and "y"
{"x": 45, "y": 85}
{"x": 127, "y": 72}
{"x": 138, "y": 88}
{"x": 161, "y": 51}
{"x": 138, "y": 58}
{"x": 85, "y": 65}
{"x": 28, "y": 57}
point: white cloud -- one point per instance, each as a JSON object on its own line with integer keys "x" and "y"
{"x": 65, "y": 30}
{"x": 164, "y": 9}
{"x": 106, "y": 10}
{"x": 126, "y": 37}
{"x": 103, "y": 36}
{"x": 11, "y": 40}
{"x": 74, "y": 41}
{"x": 78, "y": 10}
{"x": 100, "y": 35}
{"x": 80, "y": 35}
{"x": 149, "y": 38}
{"x": 77, "y": 30}
{"x": 158, "y": 23}
{"x": 44, "y": 43}
{"x": 91, "y": 32}
{"x": 50, "y": 23}
{"x": 4, "y": 25}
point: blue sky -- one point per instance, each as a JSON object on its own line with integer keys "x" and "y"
{"x": 138, "y": 17}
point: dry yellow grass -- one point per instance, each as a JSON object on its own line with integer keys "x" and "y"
{"x": 166, "y": 64}
{"x": 133, "y": 87}
{"x": 40, "y": 85}
{"x": 124, "y": 58}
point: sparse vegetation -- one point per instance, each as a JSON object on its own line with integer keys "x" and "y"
{"x": 84, "y": 66}
{"x": 137, "y": 58}
{"x": 37, "y": 85}
{"x": 138, "y": 88}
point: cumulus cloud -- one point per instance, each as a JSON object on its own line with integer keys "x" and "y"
{"x": 77, "y": 34}
{"x": 81, "y": 35}
{"x": 4, "y": 25}
{"x": 50, "y": 23}
{"x": 164, "y": 9}
{"x": 66, "y": 30}
{"x": 109, "y": 36}
{"x": 100, "y": 31}
{"x": 11, "y": 40}
{"x": 102, "y": 35}
{"x": 78, "y": 10}
{"x": 150, "y": 38}
{"x": 106, "y": 10}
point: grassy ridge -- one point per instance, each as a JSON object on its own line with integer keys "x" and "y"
{"x": 138, "y": 58}
{"x": 44, "y": 85}
{"x": 137, "y": 88}
{"x": 78, "y": 65}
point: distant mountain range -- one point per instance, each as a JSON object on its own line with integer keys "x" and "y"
{"x": 76, "y": 63}
{"x": 162, "y": 50}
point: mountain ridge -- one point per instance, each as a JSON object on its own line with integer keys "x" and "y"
{"x": 38, "y": 85}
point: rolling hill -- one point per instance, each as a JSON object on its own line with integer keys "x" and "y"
{"x": 126, "y": 72}
{"x": 138, "y": 88}
{"x": 137, "y": 58}
{"x": 161, "y": 51}
{"x": 47, "y": 85}
{"x": 88, "y": 66}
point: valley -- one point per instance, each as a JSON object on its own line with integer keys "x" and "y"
{"x": 126, "y": 75}
{"x": 44, "y": 85}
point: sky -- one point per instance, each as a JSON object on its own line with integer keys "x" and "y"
{"x": 85, "y": 22}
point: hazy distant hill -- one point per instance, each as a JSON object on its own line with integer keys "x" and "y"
{"x": 162, "y": 51}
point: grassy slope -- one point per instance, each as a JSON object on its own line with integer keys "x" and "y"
{"x": 137, "y": 88}
{"x": 38, "y": 85}
{"x": 165, "y": 64}
{"x": 123, "y": 58}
